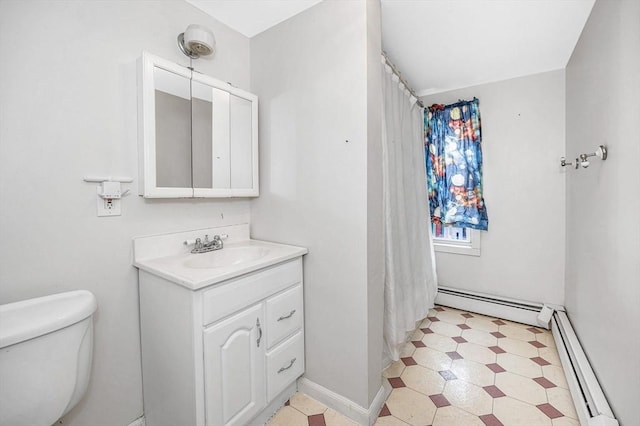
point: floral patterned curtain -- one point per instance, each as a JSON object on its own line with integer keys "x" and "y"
{"x": 454, "y": 165}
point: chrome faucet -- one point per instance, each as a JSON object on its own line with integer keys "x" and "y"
{"x": 207, "y": 246}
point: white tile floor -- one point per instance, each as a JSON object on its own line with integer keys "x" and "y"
{"x": 463, "y": 369}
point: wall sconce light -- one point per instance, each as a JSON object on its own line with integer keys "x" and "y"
{"x": 196, "y": 41}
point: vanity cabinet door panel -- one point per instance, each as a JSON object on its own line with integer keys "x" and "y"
{"x": 234, "y": 368}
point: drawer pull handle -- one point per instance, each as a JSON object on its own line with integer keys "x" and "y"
{"x": 260, "y": 330}
{"x": 284, "y": 317}
{"x": 287, "y": 367}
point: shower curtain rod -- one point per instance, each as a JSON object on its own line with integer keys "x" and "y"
{"x": 402, "y": 80}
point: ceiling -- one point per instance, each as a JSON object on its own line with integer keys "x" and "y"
{"x": 251, "y": 17}
{"x": 446, "y": 44}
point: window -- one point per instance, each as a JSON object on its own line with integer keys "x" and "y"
{"x": 457, "y": 240}
{"x": 453, "y": 155}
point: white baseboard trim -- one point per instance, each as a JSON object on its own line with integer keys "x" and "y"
{"x": 344, "y": 406}
{"x": 138, "y": 422}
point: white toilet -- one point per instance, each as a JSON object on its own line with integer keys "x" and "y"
{"x": 46, "y": 347}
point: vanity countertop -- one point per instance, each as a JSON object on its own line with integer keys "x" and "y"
{"x": 239, "y": 257}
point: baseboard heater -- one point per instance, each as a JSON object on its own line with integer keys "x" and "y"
{"x": 495, "y": 306}
{"x": 591, "y": 405}
{"x": 589, "y": 400}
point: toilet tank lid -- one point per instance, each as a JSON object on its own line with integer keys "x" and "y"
{"x": 24, "y": 320}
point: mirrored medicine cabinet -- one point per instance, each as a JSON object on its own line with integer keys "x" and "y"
{"x": 198, "y": 136}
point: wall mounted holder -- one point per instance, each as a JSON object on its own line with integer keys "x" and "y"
{"x": 601, "y": 153}
{"x": 583, "y": 159}
{"x": 564, "y": 163}
{"x": 109, "y": 193}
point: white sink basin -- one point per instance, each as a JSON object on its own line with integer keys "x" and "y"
{"x": 166, "y": 256}
{"x": 226, "y": 257}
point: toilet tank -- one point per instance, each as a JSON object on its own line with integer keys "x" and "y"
{"x": 46, "y": 348}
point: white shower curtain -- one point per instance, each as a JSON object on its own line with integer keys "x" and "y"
{"x": 410, "y": 275}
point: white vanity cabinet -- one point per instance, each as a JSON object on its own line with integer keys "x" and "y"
{"x": 226, "y": 354}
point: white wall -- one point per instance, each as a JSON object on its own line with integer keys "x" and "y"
{"x": 316, "y": 139}
{"x": 68, "y": 109}
{"x": 603, "y": 226}
{"x": 375, "y": 223}
{"x": 522, "y": 253}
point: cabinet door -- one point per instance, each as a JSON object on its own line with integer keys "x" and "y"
{"x": 234, "y": 366}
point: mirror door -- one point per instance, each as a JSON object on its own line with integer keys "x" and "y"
{"x": 232, "y": 161}
{"x": 173, "y": 130}
{"x": 198, "y": 135}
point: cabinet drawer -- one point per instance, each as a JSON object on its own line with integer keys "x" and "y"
{"x": 233, "y": 295}
{"x": 284, "y": 315}
{"x": 284, "y": 365}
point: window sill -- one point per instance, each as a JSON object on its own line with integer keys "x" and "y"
{"x": 471, "y": 248}
{"x": 456, "y": 249}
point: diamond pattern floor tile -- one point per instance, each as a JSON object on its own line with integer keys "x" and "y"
{"x": 439, "y": 400}
{"x": 494, "y": 391}
{"x": 409, "y": 361}
{"x": 549, "y": 410}
{"x": 496, "y": 368}
{"x": 540, "y": 361}
{"x": 385, "y": 411}
{"x": 544, "y": 382}
{"x": 490, "y": 420}
{"x": 466, "y": 369}
{"x": 454, "y": 355}
{"x": 316, "y": 420}
{"x": 448, "y": 375}
{"x": 396, "y": 382}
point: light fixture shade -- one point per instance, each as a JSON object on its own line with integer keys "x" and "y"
{"x": 199, "y": 40}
